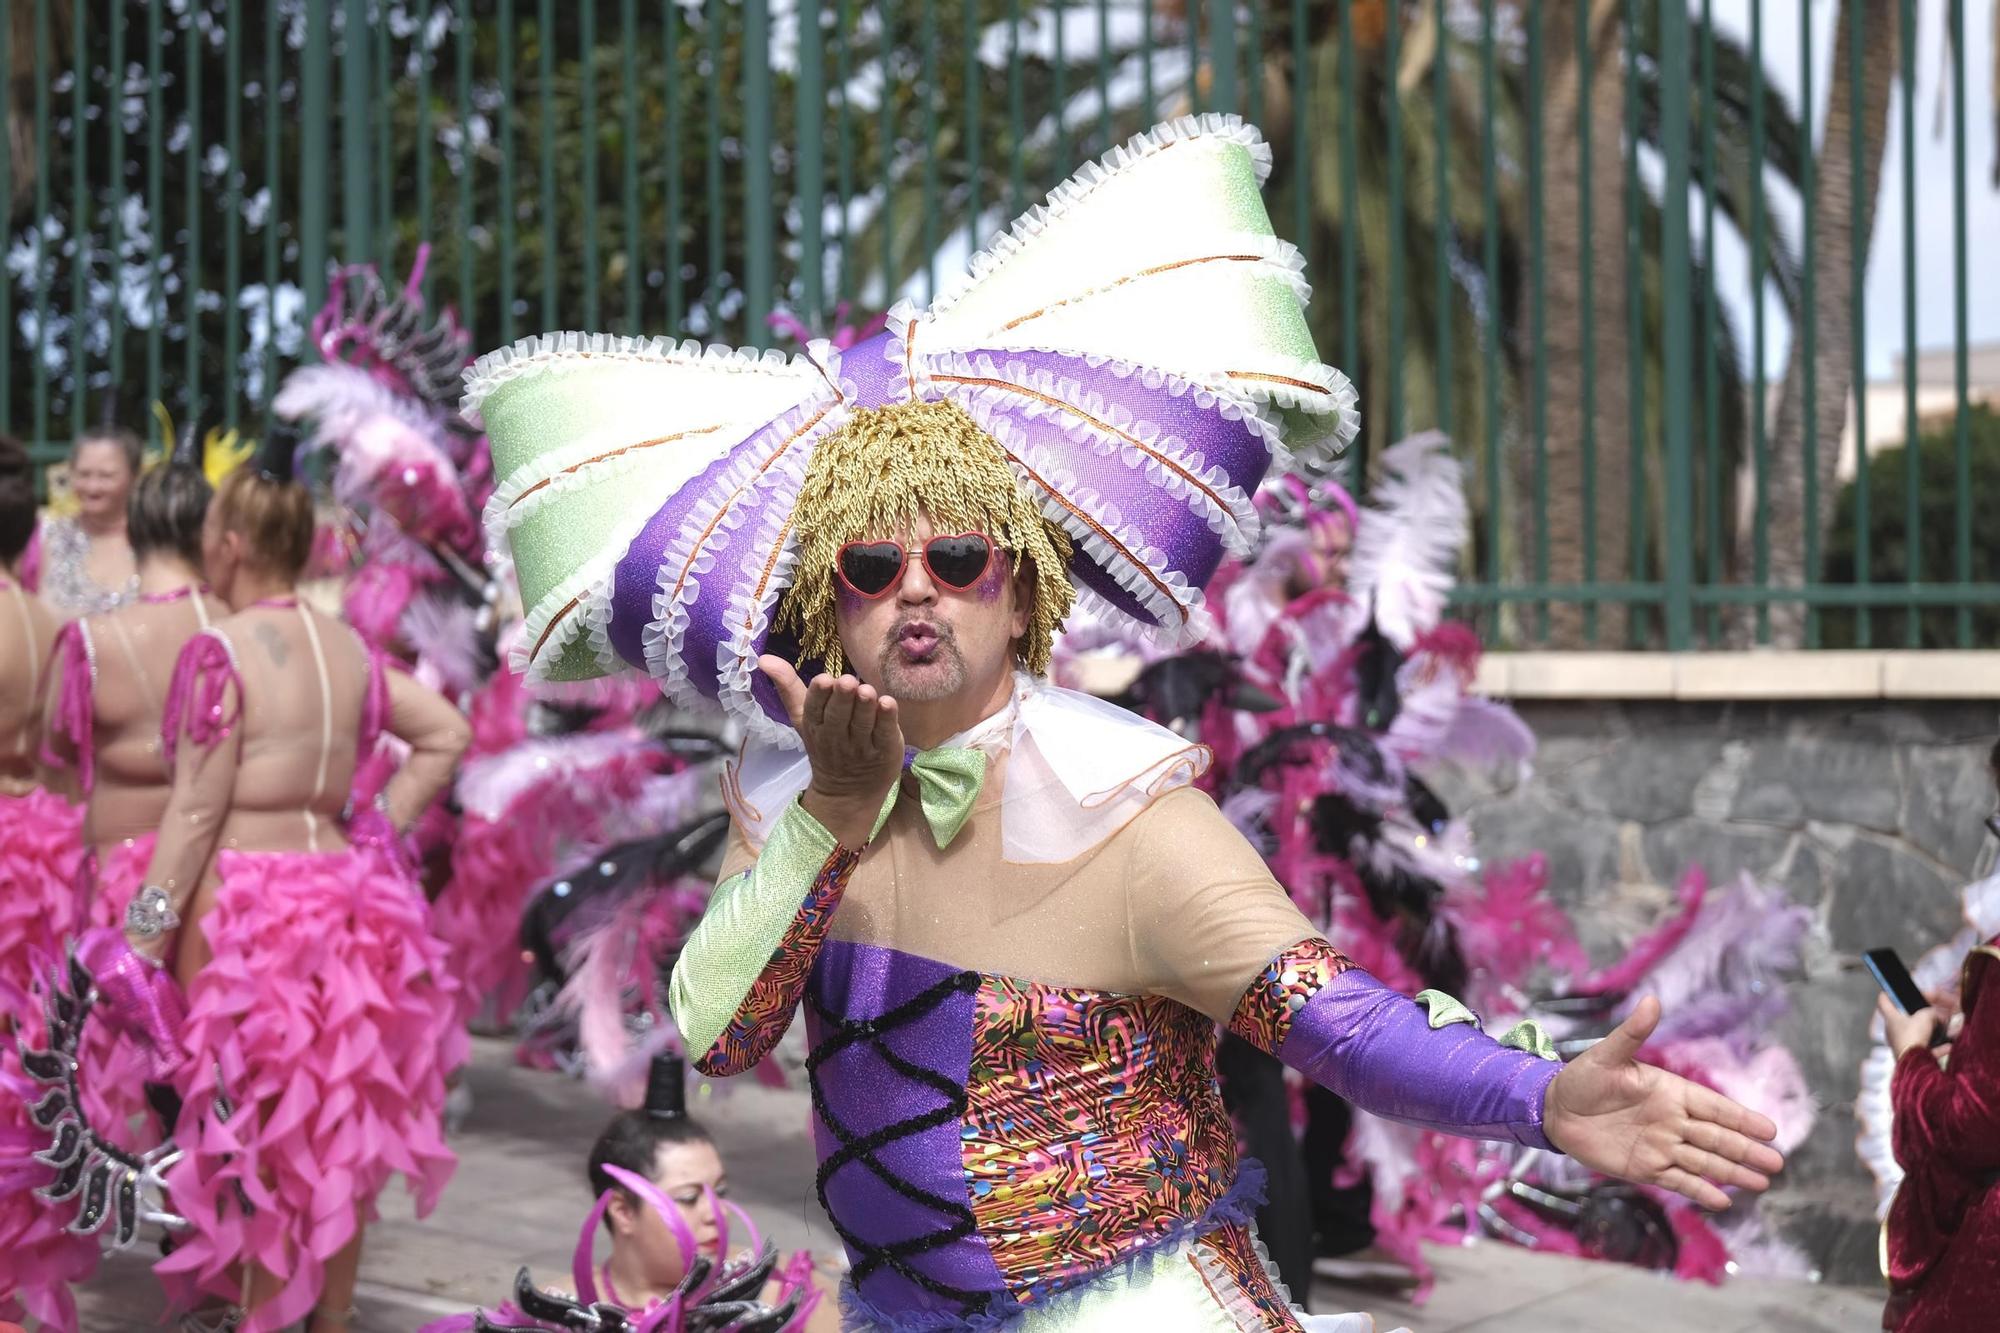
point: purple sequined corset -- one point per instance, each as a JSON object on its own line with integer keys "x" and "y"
{"x": 985, "y": 1143}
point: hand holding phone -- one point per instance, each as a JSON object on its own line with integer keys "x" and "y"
{"x": 1897, "y": 983}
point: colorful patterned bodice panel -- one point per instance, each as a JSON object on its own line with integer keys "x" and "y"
{"x": 987, "y": 1142}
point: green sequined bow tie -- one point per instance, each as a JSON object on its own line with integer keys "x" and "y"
{"x": 948, "y": 781}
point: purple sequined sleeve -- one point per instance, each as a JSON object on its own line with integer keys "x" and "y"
{"x": 1378, "y": 1048}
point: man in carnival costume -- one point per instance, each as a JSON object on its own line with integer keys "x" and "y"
{"x": 1011, "y": 921}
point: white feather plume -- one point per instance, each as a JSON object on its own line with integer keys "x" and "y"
{"x": 1406, "y": 553}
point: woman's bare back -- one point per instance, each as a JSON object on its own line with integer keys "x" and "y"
{"x": 27, "y": 632}
{"x": 130, "y": 655}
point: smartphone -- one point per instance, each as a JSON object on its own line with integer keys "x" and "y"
{"x": 1898, "y": 985}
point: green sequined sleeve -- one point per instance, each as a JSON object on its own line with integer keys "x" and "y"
{"x": 740, "y": 977}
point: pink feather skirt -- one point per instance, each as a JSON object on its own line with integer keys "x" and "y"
{"x": 327, "y": 1022}
{"x": 41, "y": 846}
{"x": 112, "y": 1068}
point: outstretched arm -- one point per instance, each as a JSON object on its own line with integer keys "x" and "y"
{"x": 1218, "y": 934}
{"x": 740, "y": 977}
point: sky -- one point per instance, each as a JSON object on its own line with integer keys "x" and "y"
{"x": 1931, "y": 237}
{"x": 1932, "y": 233}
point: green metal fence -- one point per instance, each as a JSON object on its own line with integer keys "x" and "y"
{"x": 1613, "y": 247}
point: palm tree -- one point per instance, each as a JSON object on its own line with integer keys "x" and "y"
{"x": 1843, "y": 217}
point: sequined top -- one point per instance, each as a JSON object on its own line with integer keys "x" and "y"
{"x": 66, "y": 584}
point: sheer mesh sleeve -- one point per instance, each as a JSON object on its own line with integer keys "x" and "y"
{"x": 68, "y": 737}
{"x": 739, "y": 979}
{"x": 436, "y": 733}
{"x": 1205, "y": 916}
{"x": 202, "y": 736}
{"x": 1213, "y": 930}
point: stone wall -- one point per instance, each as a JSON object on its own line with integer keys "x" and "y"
{"x": 1869, "y": 813}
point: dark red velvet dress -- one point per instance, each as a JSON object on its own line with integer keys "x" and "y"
{"x": 1944, "y": 1226}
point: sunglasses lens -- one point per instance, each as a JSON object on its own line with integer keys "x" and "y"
{"x": 957, "y": 562}
{"x": 870, "y": 567}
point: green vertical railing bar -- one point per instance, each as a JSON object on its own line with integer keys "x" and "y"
{"x": 510, "y": 93}
{"x": 315, "y": 147}
{"x": 7, "y": 192}
{"x": 1912, "y": 453}
{"x": 274, "y": 47}
{"x": 1858, "y": 198}
{"x": 1489, "y": 162}
{"x": 1016, "y": 115}
{"x": 1192, "y": 19}
{"x": 886, "y": 133}
{"x": 975, "y": 78}
{"x": 79, "y": 223}
{"x": 1059, "y": 68}
{"x": 426, "y": 144}
{"x": 1104, "y": 74}
{"x": 1676, "y": 407}
{"x": 382, "y": 132}
{"x": 1711, "y": 388}
{"x": 1538, "y": 285}
{"x": 1808, "y": 328}
{"x": 628, "y": 97}
{"x": 1350, "y": 189}
{"x": 1585, "y": 285}
{"x": 1302, "y": 200}
{"x": 1441, "y": 220}
{"x": 810, "y": 173}
{"x": 1393, "y": 106}
{"x": 232, "y": 211}
{"x": 758, "y": 243}
{"x": 672, "y": 63}
{"x": 712, "y": 175}
{"x": 1146, "y": 90}
{"x": 934, "y": 102}
{"x": 1961, "y": 444}
{"x": 1222, "y": 58}
{"x": 843, "y": 45}
{"x": 156, "y": 203}
{"x": 462, "y": 51}
{"x": 1253, "y": 72}
{"x": 44, "y": 264}
{"x": 586, "y": 69}
{"x": 115, "y": 90}
{"x": 545, "y": 64}
{"x": 1759, "y": 456}
{"x": 1635, "y": 330}
{"x": 356, "y": 166}
{"x": 191, "y": 394}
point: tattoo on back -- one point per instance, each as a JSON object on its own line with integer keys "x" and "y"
{"x": 274, "y": 642}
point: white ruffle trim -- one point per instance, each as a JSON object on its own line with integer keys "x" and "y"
{"x": 505, "y": 510}
{"x": 1100, "y": 532}
{"x": 687, "y": 557}
{"x": 901, "y": 317}
{"x": 542, "y": 351}
{"x": 590, "y": 618}
{"x": 1168, "y": 461}
{"x": 1329, "y": 391}
{"x": 1077, "y": 188}
{"x": 750, "y": 607}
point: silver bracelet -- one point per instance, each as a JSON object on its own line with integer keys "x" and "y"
{"x": 151, "y": 913}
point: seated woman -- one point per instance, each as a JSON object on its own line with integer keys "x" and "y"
{"x": 660, "y": 1194}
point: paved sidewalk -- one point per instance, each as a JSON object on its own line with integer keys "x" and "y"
{"x": 520, "y": 1195}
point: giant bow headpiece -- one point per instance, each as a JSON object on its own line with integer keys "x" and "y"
{"x": 1132, "y": 346}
